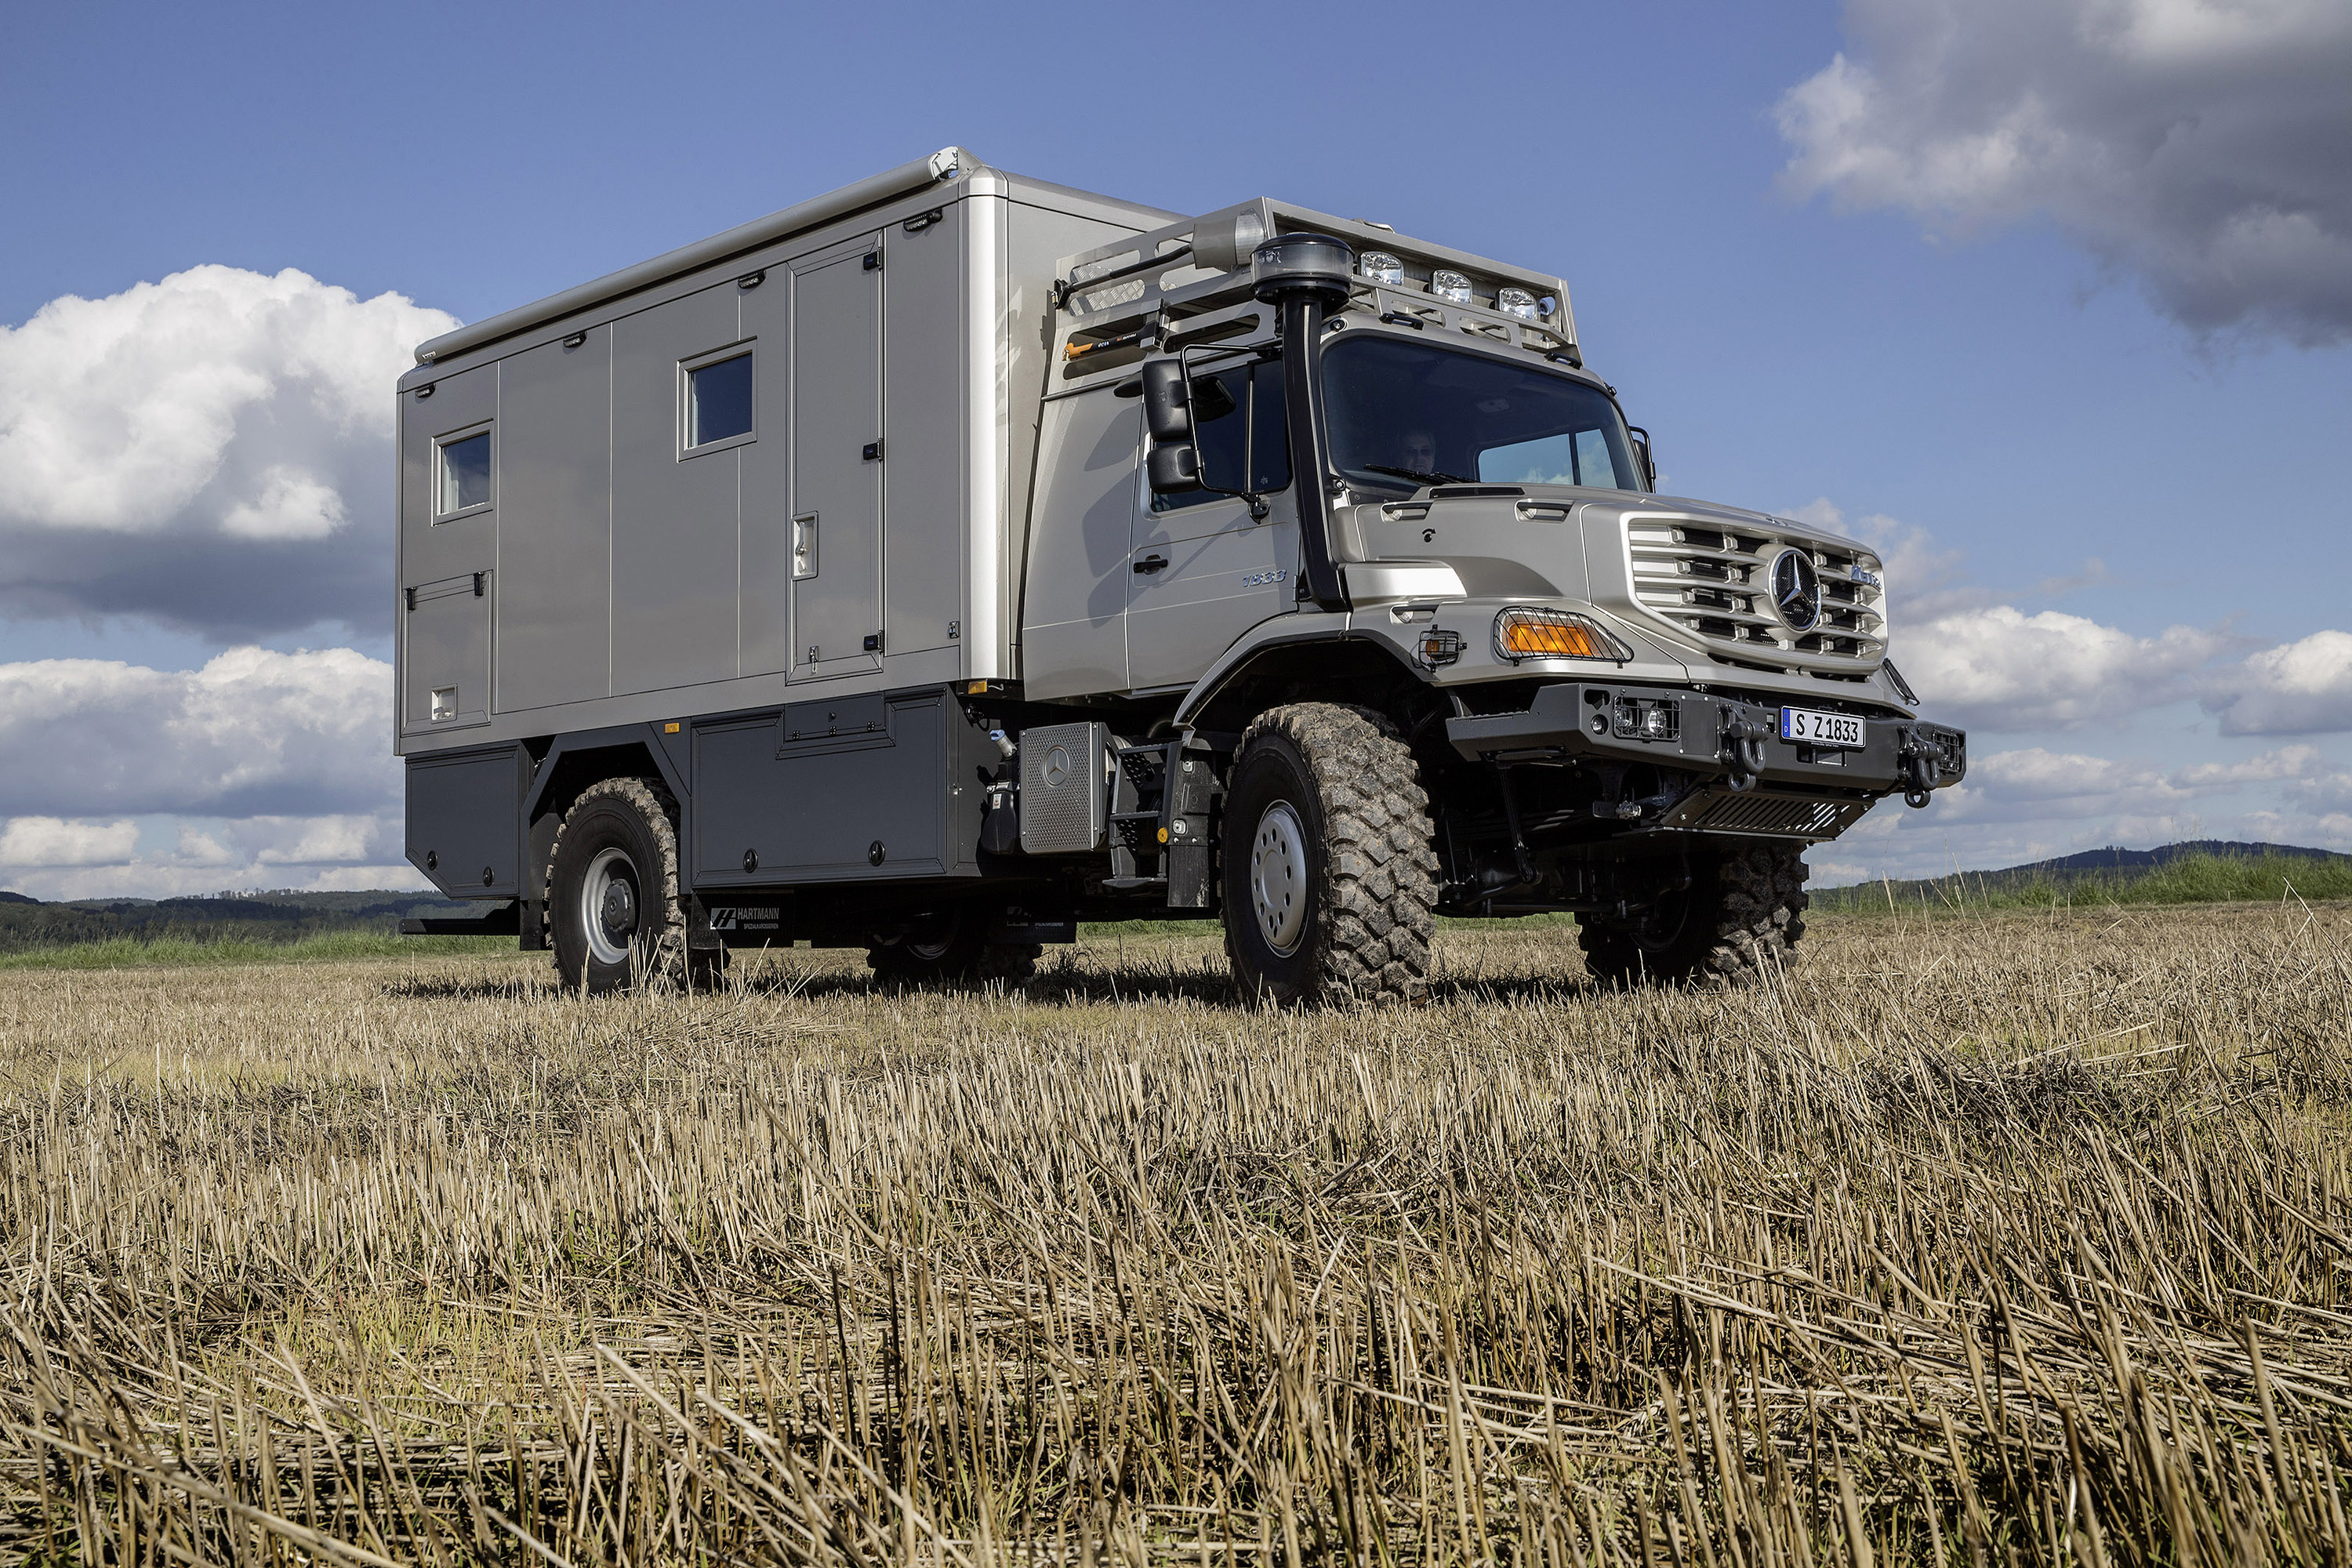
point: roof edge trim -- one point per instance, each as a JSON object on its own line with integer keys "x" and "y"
{"x": 947, "y": 164}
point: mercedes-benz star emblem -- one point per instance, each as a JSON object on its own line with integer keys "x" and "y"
{"x": 1057, "y": 767}
{"x": 1796, "y": 590}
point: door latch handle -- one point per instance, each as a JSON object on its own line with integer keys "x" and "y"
{"x": 1149, "y": 564}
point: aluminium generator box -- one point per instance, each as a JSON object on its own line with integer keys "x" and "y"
{"x": 787, "y": 463}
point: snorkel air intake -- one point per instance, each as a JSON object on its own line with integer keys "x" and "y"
{"x": 1306, "y": 276}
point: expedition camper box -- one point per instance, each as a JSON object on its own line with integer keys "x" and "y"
{"x": 949, "y": 558}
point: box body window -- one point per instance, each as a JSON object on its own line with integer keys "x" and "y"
{"x": 719, "y": 401}
{"x": 464, "y": 474}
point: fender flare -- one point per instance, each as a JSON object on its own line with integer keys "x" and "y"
{"x": 1246, "y": 655}
{"x": 642, "y": 738}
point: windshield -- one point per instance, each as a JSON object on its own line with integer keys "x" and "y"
{"x": 1403, "y": 414}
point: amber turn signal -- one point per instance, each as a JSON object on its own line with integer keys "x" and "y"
{"x": 1525, "y": 632}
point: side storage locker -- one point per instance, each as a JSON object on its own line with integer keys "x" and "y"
{"x": 850, "y": 789}
{"x": 465, "y": 820}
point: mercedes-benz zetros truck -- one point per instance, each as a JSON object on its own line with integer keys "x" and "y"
{"x": 955, "y": 557}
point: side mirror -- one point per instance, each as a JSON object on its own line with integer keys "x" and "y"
{"x": 1165, "y": 413}
{"x": 1649, "y": 464}
{"x": 1173, "y": 469}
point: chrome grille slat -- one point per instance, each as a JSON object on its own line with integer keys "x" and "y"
{"x": 1664, "y": 569}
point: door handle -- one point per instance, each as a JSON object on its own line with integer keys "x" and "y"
{"x": 1149, "y": 564}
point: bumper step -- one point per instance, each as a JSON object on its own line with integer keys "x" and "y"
{"x": 504, "y": 921}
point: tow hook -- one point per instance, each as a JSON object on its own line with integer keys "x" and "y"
{"x": 1920, "y": 765}
{"x": 1743, "y": 751}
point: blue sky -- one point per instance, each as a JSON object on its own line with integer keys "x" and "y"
{"x": 1937, "y": 271}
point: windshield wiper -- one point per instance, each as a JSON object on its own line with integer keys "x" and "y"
{"x": 1418, "y": 476}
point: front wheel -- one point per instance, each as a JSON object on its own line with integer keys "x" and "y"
{"x": 1741, "y": 916}
{"x": 1328, "y": 880}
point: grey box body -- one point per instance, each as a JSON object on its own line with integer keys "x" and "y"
{"x": 616, "y": 576}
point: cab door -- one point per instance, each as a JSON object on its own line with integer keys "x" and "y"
{"x": 1201, "y": 570}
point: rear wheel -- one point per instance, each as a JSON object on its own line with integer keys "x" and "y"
{"x": 1742, "y": 916}
{"x": 612, "y": 889}
{"x": 949, "y": 946}
{"x": 1329, "y": 882}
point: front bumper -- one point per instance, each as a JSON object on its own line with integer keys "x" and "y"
{"x": 1729, "y": 770}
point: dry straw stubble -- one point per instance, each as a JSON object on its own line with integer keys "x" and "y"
{"x": 2022, "y": 1238}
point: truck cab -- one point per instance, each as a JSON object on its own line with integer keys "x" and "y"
{"x": 1356, "y": 472}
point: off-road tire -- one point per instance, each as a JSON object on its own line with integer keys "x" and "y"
{"x": 1739, "y": 920}
{"x": 1369, "y": 875}
{"x": 953, "y": 950}
{"x": 634, "y": 817}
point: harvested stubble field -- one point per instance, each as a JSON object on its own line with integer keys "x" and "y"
{"x": 2018, "y": 1239}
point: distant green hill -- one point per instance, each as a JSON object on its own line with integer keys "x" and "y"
{"x": 277, "y": 917}
{"x": 2196, "y": 871}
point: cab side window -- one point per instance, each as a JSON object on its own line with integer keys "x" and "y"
{"x": 1234, "y": 411}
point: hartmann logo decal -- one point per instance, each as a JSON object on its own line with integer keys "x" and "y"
{"x": 746, "y": 918}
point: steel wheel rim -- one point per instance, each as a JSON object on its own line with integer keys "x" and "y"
{"x": 612, "y": 905}
{"x": 1278, "y": 876}
{"x": 933, "y": 949}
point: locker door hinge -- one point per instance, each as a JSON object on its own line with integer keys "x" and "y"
{"x": 873, "y": 261}
{"x": 873, "y": 451}
{"x": 412, "y": 597}
{"x": 872, "y": 642}
{"x": 477, "y": 582}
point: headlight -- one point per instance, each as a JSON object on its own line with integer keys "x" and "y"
{"x": 1518, "y": 302}
{"x": 1523, "y": 631}
{"x": 1448, "y": 284}
{"x": 1380, "y": 266}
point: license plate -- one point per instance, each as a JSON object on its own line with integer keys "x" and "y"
{"x": 1815, "y": 728}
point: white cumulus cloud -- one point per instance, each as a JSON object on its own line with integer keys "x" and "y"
{"x": 2202, "y": 146}
{"x": 258, "y": 770}
{"x": 2303, "y": 687}
{"x": 46, "y": 841}
{"x": 1997, "y": 667}
{"x": 250, "y": 732}
{"x": 213, "y": 451}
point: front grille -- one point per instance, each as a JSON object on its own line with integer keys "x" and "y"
{"x": 1714, "y": 582}
{"x": 1765, "y": 815}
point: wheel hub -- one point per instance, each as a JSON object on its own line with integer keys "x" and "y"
{"x": 609, "y": 906}
{"x": 1278, "y": 877}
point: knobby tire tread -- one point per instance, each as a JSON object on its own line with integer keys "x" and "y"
{"x": 662, "y": 960}
{"x": 1379, "y": 888}
{"x": 1750, "y": 916}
